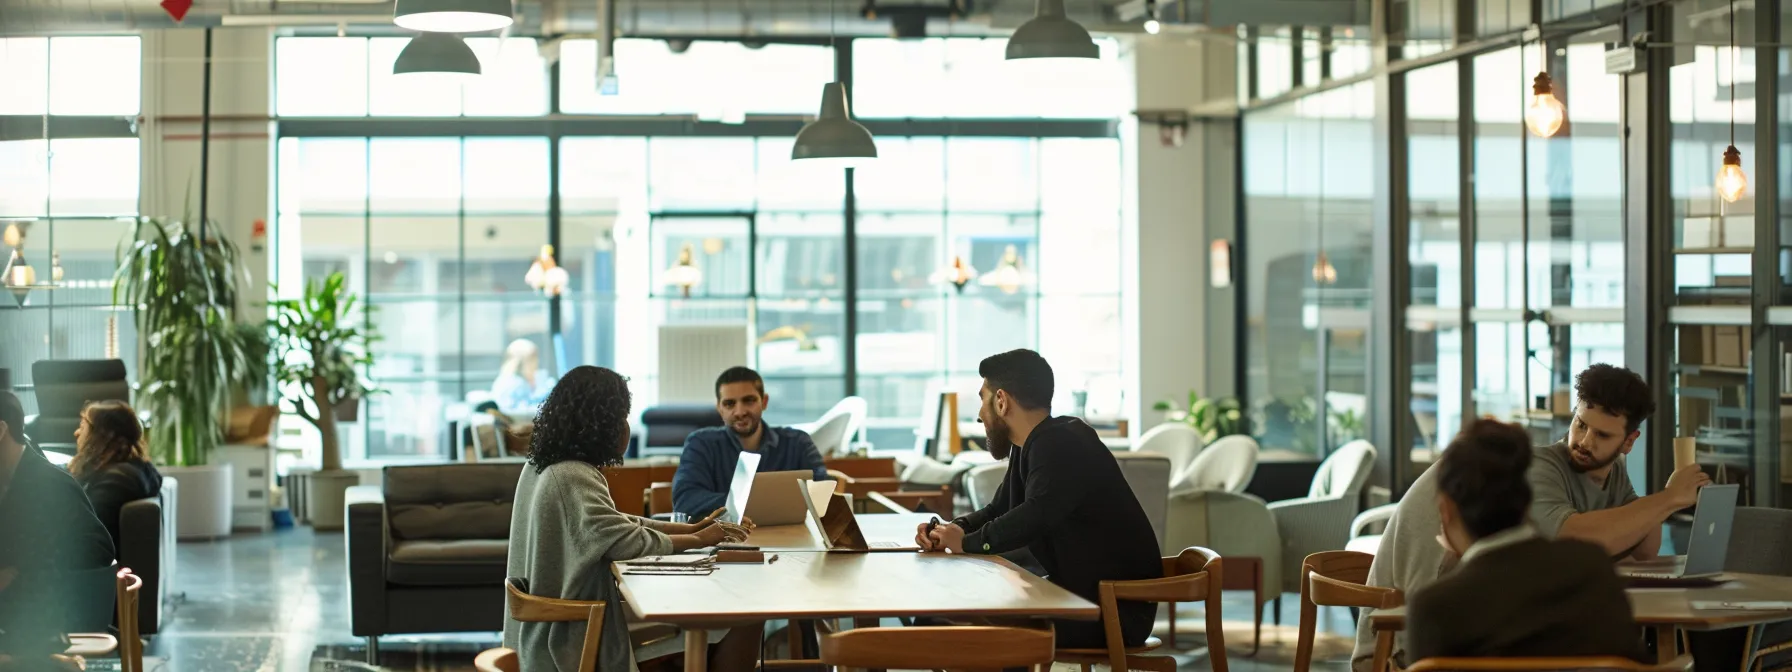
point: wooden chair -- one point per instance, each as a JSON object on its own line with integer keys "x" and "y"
{"x": 531, "y": 609}
{"x": 130, "y": 644}
{"x": 1336, "y": 579}
{"x": 1194, "y": 575}
{"x": 657, "y": 499}
{"x": 497, "y": 660}
{"x": 1681, "y": 664}
{"x": 935, "y": 648}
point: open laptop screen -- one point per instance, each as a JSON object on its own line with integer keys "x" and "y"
{"x": 744, "y": 470}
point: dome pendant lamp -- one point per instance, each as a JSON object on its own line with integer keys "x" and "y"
{"x": 834, "y": 139}
{"x": 1050, "y": 34}
{"x": 452, "y": 16}
{"x": 436, "y": 55}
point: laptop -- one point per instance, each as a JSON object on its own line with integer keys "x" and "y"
{"x": 1707, "y": 548}
{"x": 770, "y": 498}
{"x": 833, "y": 516}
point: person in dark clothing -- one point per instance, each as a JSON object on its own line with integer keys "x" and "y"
{"x": 1064, "y": 498}
{"x": 111, "y": 463}
{"x": 706, "y": 470}
{"x": 1514, "y": 593}
{"x": 48, "y": 537}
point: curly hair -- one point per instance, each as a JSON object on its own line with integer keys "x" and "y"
{"x": 1616, "y": 390}
{"x": 585, "y": 418}
{"x": 113, "y": 435}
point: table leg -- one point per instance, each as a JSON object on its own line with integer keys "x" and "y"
{"x": 1665, "y": 644}
{"x": 696, "y": 649}
{"x": 1384, "y": 651}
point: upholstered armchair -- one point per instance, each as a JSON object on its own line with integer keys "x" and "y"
{"x": 1321, "y": 520}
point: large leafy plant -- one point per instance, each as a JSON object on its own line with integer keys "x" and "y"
{"x": 183, "y": 292}
{"x": 320, "y": 344}
{"x": 1212, "y": 418}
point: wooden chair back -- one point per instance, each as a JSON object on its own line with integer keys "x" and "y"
{"x": 862, "y": 467}
{"x": 657, "y": 499}
{"x": 1194, "y": 575}
{"x": 528, "y": 608}
{"x": 1336, "y": 579}
{"x": 1681, "y": 664}
{"x": 130, "y": 643}
{"x": 635, "y": 478}
{"x": 937, "y": 648}
{"x": 497, "y": 660}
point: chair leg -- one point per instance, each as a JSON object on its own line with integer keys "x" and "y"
{"x": 1278, "y": 609}
{"x": 1172, "y": 625}
{"x": 373, "y": 650}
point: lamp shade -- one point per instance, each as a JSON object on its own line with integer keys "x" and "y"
{"x": 833, "y": 137}
{"x": 1051, "y": 34}
{"x": 436, "y": 54}
{"x": 452, "y": 16}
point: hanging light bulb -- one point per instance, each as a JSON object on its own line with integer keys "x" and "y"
{"x": 56, "y": 268}
{"x": 1544, "y": 115}
{"x": 546, "y": 276}
{"x": 1007, "y": 277}
{"x": 958, "y": 274}
{"x": 1324, "y": 273}
{"x": 14, "y": 235}
{"x": 1731, "y": 181}
{"x": 1151, "y": 24}
{"x": 684, "y": 274}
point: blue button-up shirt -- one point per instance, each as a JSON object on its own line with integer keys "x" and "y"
{"x": 706, "y": 471}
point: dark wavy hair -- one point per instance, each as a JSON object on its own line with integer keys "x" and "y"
{"x": 113, "y": 436}
{"x": 1616, "y": 390}
{"x": 585, "y": 418}
{"x": 1483, "y": 471}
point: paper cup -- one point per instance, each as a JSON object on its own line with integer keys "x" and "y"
{"x": 1684, "y": 448}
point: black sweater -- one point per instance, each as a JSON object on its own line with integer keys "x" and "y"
{"x": 1065, "y": 499}
{"x": 117, "y": 485}
{"x": 47, "y": 532}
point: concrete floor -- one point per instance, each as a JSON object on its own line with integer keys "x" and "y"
{"x": 279, "y": 601}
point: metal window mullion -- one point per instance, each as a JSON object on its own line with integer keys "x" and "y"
{"x": 1765, "y": 376}
{"x": 1465, "y": 184}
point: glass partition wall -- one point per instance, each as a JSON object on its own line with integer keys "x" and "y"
{"x": 1522, "y": 258}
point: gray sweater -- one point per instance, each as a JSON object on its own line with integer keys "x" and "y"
{"x": 564, "y": 533}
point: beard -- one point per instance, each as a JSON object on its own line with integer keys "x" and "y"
{"x": 749, "y": 431}
{"x": 1596, "y": 463}
{"x": 997, "y": 438}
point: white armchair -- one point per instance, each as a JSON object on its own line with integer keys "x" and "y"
{"x": 1148, "y": 474}
{"x": 1361, "y": 539}
{"x": 834, "y": 431}
{"x": 1228, "y": 465}
{"x": 1321, "y": 520}
{"x": 1173, "y": 440}
{"x": 981, "y": 481}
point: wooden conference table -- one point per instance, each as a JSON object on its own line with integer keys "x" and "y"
{"x": 1668, "y": 609}
{"x": 805, "y": 582}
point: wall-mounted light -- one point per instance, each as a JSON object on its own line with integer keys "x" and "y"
{"x": 684, "y": 274}
{"x": 1007, "y": 277}
{"x": 545, "y": 276}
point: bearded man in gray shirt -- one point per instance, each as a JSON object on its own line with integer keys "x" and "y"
{"x": 1580, "y": 490}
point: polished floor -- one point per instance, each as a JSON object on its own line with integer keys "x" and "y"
{"x": 279, "y": 601}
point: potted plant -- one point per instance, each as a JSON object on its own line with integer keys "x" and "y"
{"x": 319, "y": 346}
{"x": 1212, "y": 418}
{"x": 183, "y": 292}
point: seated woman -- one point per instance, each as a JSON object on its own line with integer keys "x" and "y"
{"x": 565, "y": 530}
{"x": 1513, "y": 593}
{"x": 111, "y": 463}
{"x": 521, "y": 385}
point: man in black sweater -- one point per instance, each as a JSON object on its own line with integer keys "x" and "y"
{"x": 48, "y": 536}
{"x": 1063, "y": 498}
{"x": 1514, "y": 593}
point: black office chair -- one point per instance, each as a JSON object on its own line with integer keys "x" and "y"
{"x": 63, "y": 388}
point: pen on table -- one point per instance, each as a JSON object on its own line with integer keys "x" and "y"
{"x": 928, "y": 534}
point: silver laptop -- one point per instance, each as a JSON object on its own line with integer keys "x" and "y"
{"x": 1708, "y": 545}
{"x": 769, "y": 498}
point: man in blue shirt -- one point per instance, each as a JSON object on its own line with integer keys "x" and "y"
{"x": 706, "y": 470}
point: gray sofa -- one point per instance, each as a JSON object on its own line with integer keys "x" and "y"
{"x": 427, "y": 554}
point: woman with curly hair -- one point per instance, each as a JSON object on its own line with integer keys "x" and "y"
{"x": 565, "y": 530}
{"x": 111, "y": 463}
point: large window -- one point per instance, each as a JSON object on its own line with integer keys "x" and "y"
{"x": 352, "y": 77}
{"x": 64, "y": 197}
{"x": 439, "y": 232}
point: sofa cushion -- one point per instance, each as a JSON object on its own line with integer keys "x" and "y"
{"x": 451, "y": 501}
{"x": 459, "y": 562}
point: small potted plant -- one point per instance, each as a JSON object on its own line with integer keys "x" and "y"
{"x": 320, "y": 344}
{"x": 1212, "y": 418}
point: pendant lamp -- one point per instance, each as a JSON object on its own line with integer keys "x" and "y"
{"x": 452, "y": 16}
{"x": 436, "y": 55}
{"x": 1731, "y": 180}
{"x": 1050, "y": 34}
{"x": 834, "y": 140}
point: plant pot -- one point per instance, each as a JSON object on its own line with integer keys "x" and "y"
{"x": 203, "y": 510}
{"x": 324, "y": 497}
{"x": 349, "y": 410}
